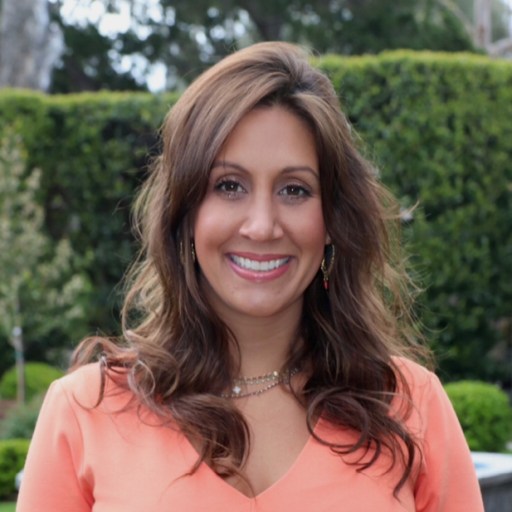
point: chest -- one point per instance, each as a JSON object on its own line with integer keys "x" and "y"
{"x": 278, "y": 435}
{"x": 148, "y": 471}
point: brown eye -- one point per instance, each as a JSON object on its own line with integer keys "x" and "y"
{"x": 229, "y": 187}
{"x": 295, "y": 190}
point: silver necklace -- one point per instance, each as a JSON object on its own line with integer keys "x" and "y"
{"x": 271, "y": 380}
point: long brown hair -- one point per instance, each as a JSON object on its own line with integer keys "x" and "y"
{"x": 175, "y": 348}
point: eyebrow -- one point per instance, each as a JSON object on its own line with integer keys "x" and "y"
{"x": 287, "y": 169}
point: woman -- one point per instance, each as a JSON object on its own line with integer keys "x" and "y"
{"x": 262, "y": 364}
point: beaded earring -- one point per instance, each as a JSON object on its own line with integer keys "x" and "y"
{"x": 327, "y": 264}
{"x": 192, "y": 252}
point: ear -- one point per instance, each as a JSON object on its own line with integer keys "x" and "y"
{"x": 328, "y": 239}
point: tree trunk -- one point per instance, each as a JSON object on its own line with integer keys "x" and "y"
{"x": 483, "y": 26}
{"x": 17, "y": 342}
{"x": 30, "y": 44}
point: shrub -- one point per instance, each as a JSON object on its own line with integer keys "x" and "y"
{"x": 38, "y": 377}
{"x": 484, "y": 413}
{"x": 87, "y": 186}
{"x": 13, "y": 453}
{"x": 20, "y": 421}
{"x": 437, "y": 125}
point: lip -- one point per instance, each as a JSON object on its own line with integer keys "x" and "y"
{"x": 259, "y": 276}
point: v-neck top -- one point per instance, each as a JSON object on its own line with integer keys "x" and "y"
{"x": 84, "y": 459}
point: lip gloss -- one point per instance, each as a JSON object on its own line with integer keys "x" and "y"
{"x": 259, "y": 276}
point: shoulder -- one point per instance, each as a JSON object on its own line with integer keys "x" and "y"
{"x": 429, "y": 404}
{"x": 432, "y": 421}
{"x": 419, "y": 391}
{"x": 86, "y": 385}
{"x": 417, "y": 377}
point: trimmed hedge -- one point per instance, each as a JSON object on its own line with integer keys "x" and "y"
{"x": 437, "y": 125}
{"x": 484, "y": 413}
{"x": 439, "y": 129}
{"x": 93, "y": 150}
{"x": 13, "y": 453}
{"x": 38, "y": 377}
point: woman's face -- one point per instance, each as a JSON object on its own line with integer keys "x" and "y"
{"x": 259, "y": 232}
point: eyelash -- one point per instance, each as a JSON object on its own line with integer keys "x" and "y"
{"x": 233, "y": 188}
{"x": 229, "y": 187}
{"x": 302, "y": 191}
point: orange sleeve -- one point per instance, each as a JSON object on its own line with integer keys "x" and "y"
{"x": 447, "y": 481}
{"x": 52, "y": 477}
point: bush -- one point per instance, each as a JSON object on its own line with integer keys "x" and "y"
{"x": 484, "y": 413}
{"x": 38, "y": 377}
{"x": 13, "y": 453}
{"x": 20, "y": 421}
{"x": 439, "y": 129}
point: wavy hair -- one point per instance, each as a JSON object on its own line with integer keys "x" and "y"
{"x": 175, "y": 348}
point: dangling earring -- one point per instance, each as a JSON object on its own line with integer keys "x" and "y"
{"x": 193, "y": 251}
{"x": 327, "y": 264}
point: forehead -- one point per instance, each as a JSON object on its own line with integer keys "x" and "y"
{"x": 271, "y": 135}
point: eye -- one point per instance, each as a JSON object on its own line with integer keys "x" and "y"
{"x": 229, "y": 187}
{"x": 295, "y": 190}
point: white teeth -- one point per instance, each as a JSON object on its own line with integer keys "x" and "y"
{"x": 258, "y": 266}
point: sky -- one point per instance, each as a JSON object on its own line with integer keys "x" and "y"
{"x": 94, "y": 11}
{"x": 87, "y": 11}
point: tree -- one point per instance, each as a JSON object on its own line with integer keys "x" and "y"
{"x": 186, "y": 37}
{"x": 37, "y": 283}
{"x": 30, "y": 44}
{"x": 487, "y": 22}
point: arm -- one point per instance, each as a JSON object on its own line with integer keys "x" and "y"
{"x": 52, "y": 479}
{"x": 447, "y": 481}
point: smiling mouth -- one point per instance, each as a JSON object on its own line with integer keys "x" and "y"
{"x": 258, "y": 266}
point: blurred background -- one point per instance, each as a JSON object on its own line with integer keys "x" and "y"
{"x": 426, "y": 83}
{"x": 84, "y": 86}
{"x": 87, "y": 45}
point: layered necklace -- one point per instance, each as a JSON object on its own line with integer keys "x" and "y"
{"x": 241, "y": 386}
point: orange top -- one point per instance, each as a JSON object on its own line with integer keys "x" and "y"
{"x": 84, "y": 459}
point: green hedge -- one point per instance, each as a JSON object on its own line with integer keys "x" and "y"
{"x": 13, "y": 453}
{"x": 484, "y": 413}
{"x": 93, "y": 150}
{"x": 438, "y": 127}
{"x": 38, "y": 377}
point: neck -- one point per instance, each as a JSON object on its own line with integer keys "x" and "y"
{"x": 264, "y": 343}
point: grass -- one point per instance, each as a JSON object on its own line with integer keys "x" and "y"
{"x": 7, "y": 506}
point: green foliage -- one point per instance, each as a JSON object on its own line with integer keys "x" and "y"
{"x": 189, "y": 36}
{"x": 38, "y": 284}
{"x": 484, "y": 413}
{"x": 437, "y": 125}
{"x": 13, "y": 453}
{"x": 20, "y": 421}
{"x": 8, "y": 357}
{"x": 38, "y": 377}
{"x": 87, "y": 185}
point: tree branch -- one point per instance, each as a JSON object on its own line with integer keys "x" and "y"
{"x": 451, "y": 6}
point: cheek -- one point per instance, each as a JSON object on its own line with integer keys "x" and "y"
{"x": 310, "y": 234}
{"x": 317, "y": 240}
{"x": 211, "y": 226}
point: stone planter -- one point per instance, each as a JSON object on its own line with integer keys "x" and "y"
{"x": 494, "y": 471}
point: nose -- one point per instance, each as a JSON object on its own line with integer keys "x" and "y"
{"x": 261, "y": 220}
